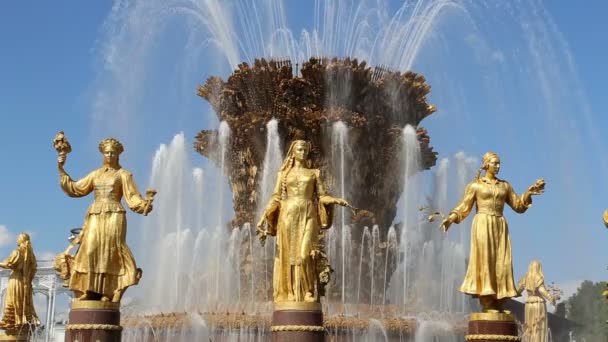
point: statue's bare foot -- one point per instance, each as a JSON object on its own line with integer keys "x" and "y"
{"x": 290, "y": 297}
{"x": 309, "y": 297}
{"x": 105, "y": 299}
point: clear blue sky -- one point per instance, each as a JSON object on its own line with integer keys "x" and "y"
{"x": 51, "y": 75}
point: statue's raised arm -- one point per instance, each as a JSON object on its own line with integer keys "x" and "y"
{"x": 489, "y": 274}
{"x": 103, "y": 266}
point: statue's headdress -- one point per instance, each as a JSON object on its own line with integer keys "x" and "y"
{"x": 115, "y": 144}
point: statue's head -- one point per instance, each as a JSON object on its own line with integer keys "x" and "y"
{"x": 23, "y": 239}
{"x": 535, "y": 267}
{"x": 299, "y": 150}
{"x": 111, "y": 149}
{"x": 491, "y": 162}
{"x": 535, "y": 277}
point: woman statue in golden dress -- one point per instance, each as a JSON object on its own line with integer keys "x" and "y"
{"x": 103, "y": 266}
{"x": 19, "y": 313}
{"x": 298, "y": 209}
{"x": 489, "y": 274}
{"x": 535, "y": 327}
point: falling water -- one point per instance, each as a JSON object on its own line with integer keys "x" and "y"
{"x": 272, "y": 162}
{"x": 169, "y": 173}
{"x": 530, "y": 65}
{"x": 365, "y": 238}
{"x": 224, "y": 136}
{"x": 339, "y": 151}
{"x": 391, "y": 246}
{"x": 199, "y": 190}
{"x": 375, "y": 244}
{"x": 411, "y": 165}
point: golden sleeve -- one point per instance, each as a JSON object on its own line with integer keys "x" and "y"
{"x": 276, "y": 193}
{"x": 544, "y": 293}
{"x": 79, "y": 188}
{"x": 325, "y": 208}
{"x": 131, "y": 193}
{"x": 271, "y": 212}
{"x": 464, "y": 207}
{"x": 319, "y": 186}
{"x": 13, "y": 260}
{"x": 519, "y": 204}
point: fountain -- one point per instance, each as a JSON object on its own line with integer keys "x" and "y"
{"x": 369, "y": 152}
{"x": 376, "y": 108}
{"x": 392, "y": 279}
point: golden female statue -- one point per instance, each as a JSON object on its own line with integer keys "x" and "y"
{"x": 535, "y": 327}
{"x": 19, "y": 313}
{"x": 103, "y": 266}
{"x": 490, "y": 270}
{"x": 298, "y": 209}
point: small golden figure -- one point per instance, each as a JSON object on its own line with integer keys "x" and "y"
{"x": 19, "y": 315}
{"x": 605, "y": 218}
{"x": 535, "y": 327}
{"x": 298, "y": 209}
{"x": 103, "y": 266}
{"x": 489, "y": 274}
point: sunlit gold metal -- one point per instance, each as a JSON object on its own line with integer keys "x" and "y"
{"x": 9, "y": 337}
{"x": 535, "y": 327}
{"x": 310, "y": 328}
{"x": 103, "y": 266}
{"x": 491, "y": 337}
{"x": 298, "y": 209}
{"x": 492, "y": 316}
{"x": 19, "y": 314}
{"x": 94, "y": 304}
{"x": 490, "y": 267}
{"x": 306, "y": 306}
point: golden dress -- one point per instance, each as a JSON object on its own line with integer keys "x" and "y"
{"x": 535, "y": 328}
{"x": 104, "y": 263}
{"x": 295, "y": 215}
{"x": 490, "y": 267}
{"x": 18, "y": 306}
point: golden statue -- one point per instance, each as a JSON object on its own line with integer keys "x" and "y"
{"x": 535, "y": 327}
{"x": 490, "y": 269}
{"x": 19, "y": 315}
{"x": 605, "y": 217}
{"x": 103, "y": 266}
{"x": 298, "y": 209}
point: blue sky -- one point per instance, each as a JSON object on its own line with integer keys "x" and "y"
{"x": 52, "y": 74}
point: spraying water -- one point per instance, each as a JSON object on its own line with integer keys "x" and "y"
{"x": 272, "y": 163}
{"x": 499, "y": 59}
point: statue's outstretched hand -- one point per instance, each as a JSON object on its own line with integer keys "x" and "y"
{"x": 342, "y": 202}
{"x": 445, "y": 225}
{"x": 262, "y": 233}
{"x": 538, "y": 187}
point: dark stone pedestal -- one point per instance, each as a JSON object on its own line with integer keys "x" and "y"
{"x": 93, "y": 321}
{"x": 8, "y": 336}
{"x": 293, "y": 321}
{"x": 492, "y": 327}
